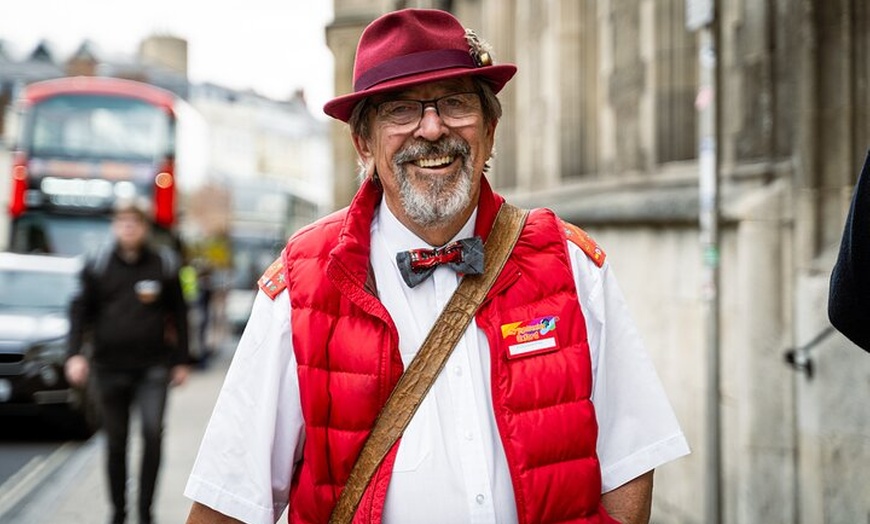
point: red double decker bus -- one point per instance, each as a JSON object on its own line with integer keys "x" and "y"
{"x": 83, "y": 143}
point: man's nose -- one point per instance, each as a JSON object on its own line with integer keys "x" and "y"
{"x": 431, "y": 127}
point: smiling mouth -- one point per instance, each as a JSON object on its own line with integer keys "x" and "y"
{"x": 435, "y": 162}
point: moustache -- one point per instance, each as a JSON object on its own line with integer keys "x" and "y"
{"x": 445, "y": 147}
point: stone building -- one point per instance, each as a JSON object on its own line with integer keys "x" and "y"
{"x": 600, "y": 124}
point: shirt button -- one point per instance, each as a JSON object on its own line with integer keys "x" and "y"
{"x": 469, "y": 436}
{"x": 480, "y": 498}
{"x": 457, "y": 371}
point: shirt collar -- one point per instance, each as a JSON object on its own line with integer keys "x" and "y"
{"x": 400, "y": 238}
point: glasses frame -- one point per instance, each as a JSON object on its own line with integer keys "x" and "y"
{"x": 432, "y": 102}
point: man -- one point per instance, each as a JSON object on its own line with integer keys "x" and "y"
{"x": 503, "y": 435}
{"x": 131, "y": 304}
{"x": 849, "y": 298}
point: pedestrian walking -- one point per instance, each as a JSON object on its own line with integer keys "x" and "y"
{"x": 131, "y": 302}
{"x": 432, "y": 353}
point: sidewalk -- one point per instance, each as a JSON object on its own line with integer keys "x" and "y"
{"x": 80, "y": 494}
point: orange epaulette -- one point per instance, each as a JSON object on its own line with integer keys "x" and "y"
{"x": 273, "y": 281}
{"x": 582, "y": 240}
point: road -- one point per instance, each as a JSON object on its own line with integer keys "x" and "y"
{"x": 45, "y": 480}
{"x": 23, "y": 445}
{"x": 31, "y": 452}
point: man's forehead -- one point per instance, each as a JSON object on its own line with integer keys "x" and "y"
{"x": 445, "y": 86}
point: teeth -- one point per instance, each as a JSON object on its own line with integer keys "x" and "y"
{"x": 434, "y": 162}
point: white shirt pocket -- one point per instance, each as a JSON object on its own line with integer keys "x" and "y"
{"x": 416, "y": 444}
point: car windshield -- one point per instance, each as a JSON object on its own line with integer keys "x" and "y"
{"x": 59, "y": 234}
{"x": 21, "y": 288}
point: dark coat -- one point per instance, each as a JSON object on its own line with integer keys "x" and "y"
{"x": 134, "y": 310}
{"x": 849, "y": 298}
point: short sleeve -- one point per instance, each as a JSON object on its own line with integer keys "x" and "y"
{"x": 245, "y": 461}
{"x": 638, "y": 430}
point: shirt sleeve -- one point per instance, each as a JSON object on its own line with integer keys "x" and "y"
{"x": 255, "y": 435}
{"x": 637, "y": 428}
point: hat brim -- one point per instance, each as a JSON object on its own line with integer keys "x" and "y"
{"x": 497, "y": 75}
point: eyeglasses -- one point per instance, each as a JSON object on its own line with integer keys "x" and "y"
{"x": 455, "y": 109}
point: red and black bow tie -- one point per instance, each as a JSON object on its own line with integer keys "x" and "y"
{"x": 464, "y": 256}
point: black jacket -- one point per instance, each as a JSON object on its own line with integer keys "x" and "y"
{"x": 849, "y": 298}
{"x": 134, "y": 313}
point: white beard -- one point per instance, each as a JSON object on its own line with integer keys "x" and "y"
{"x": 434, "y": 200}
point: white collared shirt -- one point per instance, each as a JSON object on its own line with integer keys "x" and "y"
{"x": 450, "y": 465}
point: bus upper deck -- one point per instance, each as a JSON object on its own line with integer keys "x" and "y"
{"x": 84, "y": 142}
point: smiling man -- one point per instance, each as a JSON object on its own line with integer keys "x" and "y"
{"x": 548, "y": 409}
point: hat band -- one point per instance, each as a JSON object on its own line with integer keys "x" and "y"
{"x": 422, "y": 62}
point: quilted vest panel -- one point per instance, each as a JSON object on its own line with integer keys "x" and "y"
{"x": 348, "y": 362}
{"x": 546, "y": 420}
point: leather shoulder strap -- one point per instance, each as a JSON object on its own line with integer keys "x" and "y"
{"x": 439, "y": 343}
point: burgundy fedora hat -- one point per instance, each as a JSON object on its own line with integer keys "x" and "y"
{"x": 410, "y": 47}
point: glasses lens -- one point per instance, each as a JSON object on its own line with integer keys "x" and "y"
{"x": 458, "y": 106}
{"x": 454, "y": 109}
{"x": 400, "y": 112}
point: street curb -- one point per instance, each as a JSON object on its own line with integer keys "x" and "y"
{"x": 43, "y": 479}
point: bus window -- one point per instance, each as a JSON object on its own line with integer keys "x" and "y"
{"x": 103, "y": 127}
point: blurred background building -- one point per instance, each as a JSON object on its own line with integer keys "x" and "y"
{"x": 600, "y": 124}
{"x": 253, "y": 169}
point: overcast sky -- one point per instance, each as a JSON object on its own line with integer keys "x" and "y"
{"x": 271, "y": 46}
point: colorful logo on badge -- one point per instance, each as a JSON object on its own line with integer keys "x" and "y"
{"x": 530, "y": 337}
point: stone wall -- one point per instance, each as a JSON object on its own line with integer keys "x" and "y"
{"x": 599, "y": 125}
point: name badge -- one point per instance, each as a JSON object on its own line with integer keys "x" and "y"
{"x": 530, "y": 337}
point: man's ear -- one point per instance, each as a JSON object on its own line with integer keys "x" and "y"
{"x": 490, "y": 134}
{"x": 363, "y": 149}
{"x": 488, "y": 149}
{"x": 365, "y": 156}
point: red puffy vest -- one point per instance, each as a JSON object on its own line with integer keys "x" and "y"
{"x": 348, "y": 360}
